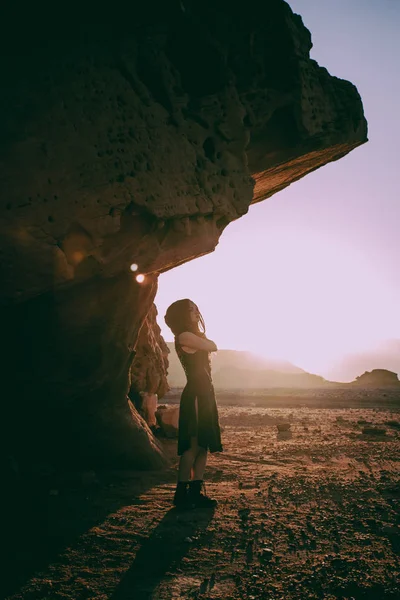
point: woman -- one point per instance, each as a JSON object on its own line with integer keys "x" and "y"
{"x": 198, "y": 416}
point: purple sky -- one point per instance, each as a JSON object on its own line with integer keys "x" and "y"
{"x": 312, "y": 273}
{"x": 359, "y": 40}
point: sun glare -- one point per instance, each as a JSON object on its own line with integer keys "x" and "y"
{"x": 296, "y": 295}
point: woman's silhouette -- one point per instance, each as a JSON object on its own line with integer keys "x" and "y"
{"x": 198, "y": 416}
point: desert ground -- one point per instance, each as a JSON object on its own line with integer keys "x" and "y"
{"x": 311, "y": 512}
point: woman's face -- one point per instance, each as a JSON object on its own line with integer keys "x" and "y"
{"x": 193, "y": 313}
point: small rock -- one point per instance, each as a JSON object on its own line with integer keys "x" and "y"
{"x": 244, "y": 513}
{"x": 283, "y": 426}
{"x": 266, "y": 553}
{"x": 188, "y": 540}
{"x": 373, "y": 431}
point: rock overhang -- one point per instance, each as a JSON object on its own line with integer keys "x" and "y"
{"x": 138, "y": 140}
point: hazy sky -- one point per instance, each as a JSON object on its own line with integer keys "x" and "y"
{"x": 312, "y": 273}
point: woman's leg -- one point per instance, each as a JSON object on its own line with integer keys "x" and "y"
{"x": 187, "y": 460}
{"x": 200, "y": 462}
{"x": 197, "y": 490}
{"x": 181, "y": 497}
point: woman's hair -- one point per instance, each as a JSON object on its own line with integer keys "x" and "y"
{"x": 178, "y": 318}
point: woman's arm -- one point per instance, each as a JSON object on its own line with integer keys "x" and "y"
{"x": 191, "y": 340}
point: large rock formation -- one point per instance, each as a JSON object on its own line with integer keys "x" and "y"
{"x": 135, "y": 136}
{"x": 377, "y": 378}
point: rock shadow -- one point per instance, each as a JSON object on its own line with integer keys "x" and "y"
{"x": 176, "y": 534}
{"x": 284, "y": 435}
{"x": 39, "y": 525}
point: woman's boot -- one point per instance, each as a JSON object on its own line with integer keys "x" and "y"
{"x": 181, "y": 496}
{"x": 197, "y": 497}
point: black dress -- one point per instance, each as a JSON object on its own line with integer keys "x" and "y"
{"x": 204, "y": 424}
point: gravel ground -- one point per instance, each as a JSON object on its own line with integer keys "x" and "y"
{"x": 311, "y": 512}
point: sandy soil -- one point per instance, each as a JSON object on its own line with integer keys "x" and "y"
{"x": 308, "y": 513}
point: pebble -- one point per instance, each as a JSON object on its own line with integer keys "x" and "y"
{"x": 266, "y": 553}
{"x": 283, "y": 426}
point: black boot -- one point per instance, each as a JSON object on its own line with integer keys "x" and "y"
{"x": 181, "y": 496}
{"x": 197, "y": 497}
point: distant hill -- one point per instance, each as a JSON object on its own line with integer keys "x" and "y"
{"x": 233, "y": 378}
{"x": 378, "y": 378}
{"x": 386, "y": 356}
{"x": 247, "y": 360}
{"x": 234, "y": 369}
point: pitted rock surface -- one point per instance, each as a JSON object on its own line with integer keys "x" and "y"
{"x": 135, "y": 135}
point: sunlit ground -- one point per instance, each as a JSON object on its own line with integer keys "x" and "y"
{"x": 309, "y": 513}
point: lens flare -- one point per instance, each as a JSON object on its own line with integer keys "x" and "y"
{"x": 140, "y": 278}
{"x": 77, "y": 257}
{"x": 134, "y": 267}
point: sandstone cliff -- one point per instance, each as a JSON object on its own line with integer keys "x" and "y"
{"x": 135, "y": 136}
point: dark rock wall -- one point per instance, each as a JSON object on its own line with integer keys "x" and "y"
{"x": 135, "y": 135}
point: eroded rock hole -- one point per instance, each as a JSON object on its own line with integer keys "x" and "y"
{"x": 209, "y": 149}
